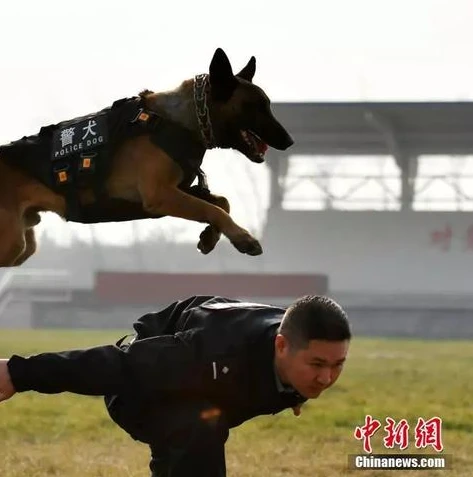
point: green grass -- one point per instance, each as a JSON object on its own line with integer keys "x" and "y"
{"x": 68, "y": 435}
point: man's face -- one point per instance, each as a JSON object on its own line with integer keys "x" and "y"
{"x": 313, "y": 369}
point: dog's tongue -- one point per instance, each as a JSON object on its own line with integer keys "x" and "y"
{"x": 262, "y": 147}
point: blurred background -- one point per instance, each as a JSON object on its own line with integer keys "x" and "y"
{"x": 372, "y": 205}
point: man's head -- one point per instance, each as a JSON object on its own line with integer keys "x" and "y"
{"x": 312, "y": 344}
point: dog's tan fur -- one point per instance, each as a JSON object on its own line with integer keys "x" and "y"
{"x": 142, "y": 170}
{"x": 142, "y": 173}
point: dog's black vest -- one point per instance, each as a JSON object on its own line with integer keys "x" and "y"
{"x": 77, "y": 154}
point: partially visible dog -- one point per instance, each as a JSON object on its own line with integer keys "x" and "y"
{"x": 139, "y": 159}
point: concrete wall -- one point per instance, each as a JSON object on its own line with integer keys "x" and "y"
{"x": 375, "y": 252}
{"x": 17, "y": 315}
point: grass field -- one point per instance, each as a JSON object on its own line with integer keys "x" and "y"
{"x": 71, "y": 436}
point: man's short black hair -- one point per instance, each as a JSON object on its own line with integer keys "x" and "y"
{"x": 314, "y": 317}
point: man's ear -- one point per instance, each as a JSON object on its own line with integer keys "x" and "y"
{"x": 281, "y": 344}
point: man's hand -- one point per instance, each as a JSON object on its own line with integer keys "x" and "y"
{"x": 297, "y": 410}
{"x": 6, "y": 387}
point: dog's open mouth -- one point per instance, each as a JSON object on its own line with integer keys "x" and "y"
{"x": 256, "y": 145}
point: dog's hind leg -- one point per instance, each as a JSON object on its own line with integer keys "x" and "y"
{"x": 12, "y": 238}
{"x": 29, "y": 249}
{"x": 31, "y": 218}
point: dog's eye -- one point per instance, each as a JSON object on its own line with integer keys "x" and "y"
{"x": 258, "y": 104}
{"x": 248, "y": 107}
{"x": 264, "y": 103}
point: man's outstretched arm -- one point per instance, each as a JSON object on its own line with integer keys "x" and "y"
{"x": 94, "y": 371}
{"x": 6, "y": 386}
{"x": 163, "y": 363}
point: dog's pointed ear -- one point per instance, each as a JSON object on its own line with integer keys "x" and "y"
{"x": 248, "y": 71}
{"x": 222, "y": 80}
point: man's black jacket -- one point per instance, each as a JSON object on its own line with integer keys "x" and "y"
{"x": 204, "y": 348}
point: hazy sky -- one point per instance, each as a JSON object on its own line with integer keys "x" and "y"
{"x": 62, "y": 59}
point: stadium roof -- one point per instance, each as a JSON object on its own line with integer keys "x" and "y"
{"x": 379, "y": 128}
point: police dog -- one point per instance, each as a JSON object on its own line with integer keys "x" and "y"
{"x": 140, "y": 158}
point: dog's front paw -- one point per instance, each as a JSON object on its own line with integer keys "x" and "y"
{"x": 245, "y": 243}
{"x": 208, "y": 239}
